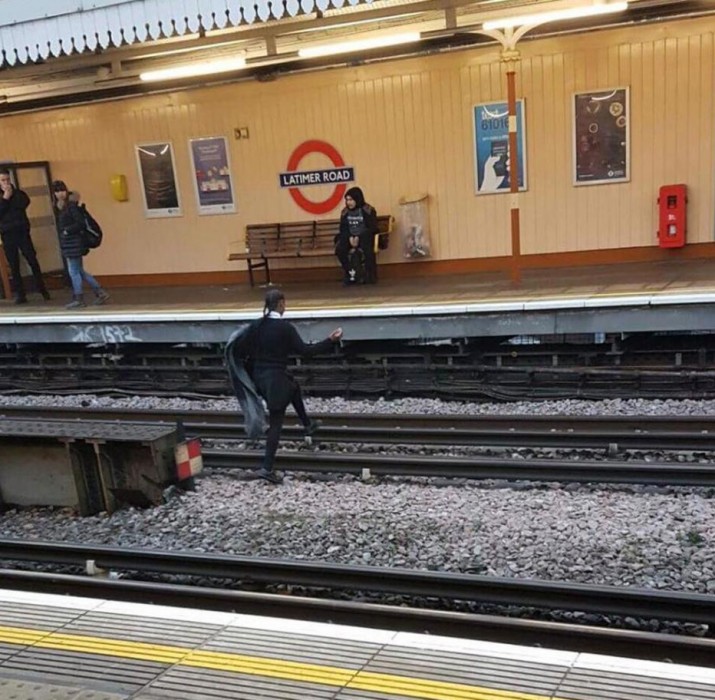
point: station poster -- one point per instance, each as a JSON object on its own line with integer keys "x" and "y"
{"x": 212, "y": 175}
{"x": 601, "y": 137}
{"x": 491, "y": 147}
{"x": 158, "y": 178}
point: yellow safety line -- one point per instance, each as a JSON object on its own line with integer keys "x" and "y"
{"x": 384, "y": 683}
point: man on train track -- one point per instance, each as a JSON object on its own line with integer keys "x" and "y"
{"x": 263, "y": 350}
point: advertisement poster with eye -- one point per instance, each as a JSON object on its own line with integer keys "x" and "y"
{"x": 158, "y": 177}
{"x": 601, "y": 137}
{"x": 491, "y": 147}
{"x": 212, "y": 175}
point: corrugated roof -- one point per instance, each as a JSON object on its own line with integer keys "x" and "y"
{"x": 74, "y": 27}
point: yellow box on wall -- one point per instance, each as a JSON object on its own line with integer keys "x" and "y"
{"x": 119, "y": 188}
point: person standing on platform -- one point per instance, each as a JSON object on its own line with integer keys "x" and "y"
{"x": 270, "y": 342}
{"x": 358, "y": 228}
{"x": 15, "y": 235}
{"x": 71, "y": 225}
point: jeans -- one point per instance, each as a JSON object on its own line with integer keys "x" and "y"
{"x": 77, "y": 273}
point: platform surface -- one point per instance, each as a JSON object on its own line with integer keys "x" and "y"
{"x": 60, "y": 647}
{"x": 662, "y": 296}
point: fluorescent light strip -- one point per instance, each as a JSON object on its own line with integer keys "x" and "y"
{"x": 556, "y": 15}
{"x": 190, "y": 70}
{"x": 359, "y": 45}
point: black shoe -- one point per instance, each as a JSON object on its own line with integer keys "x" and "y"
{"x": 45, "y": 294}
{"x": 313, "y": 427}
{"x": 270, "y": 476}
{"x": 21, "y": 300}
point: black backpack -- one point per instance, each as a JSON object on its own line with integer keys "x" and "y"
{"x": 356, "y": 266}
{"x": 92, "y": 233}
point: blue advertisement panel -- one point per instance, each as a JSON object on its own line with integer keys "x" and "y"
{"x": 491, "y": 147}
{"x": 212, "y": 175}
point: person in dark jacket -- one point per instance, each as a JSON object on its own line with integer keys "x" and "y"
{"x": 15, "y": 234}
{"x": 274, "y": 339}
{"x": 71, "y": 225}
{"x": 358, "y": 228}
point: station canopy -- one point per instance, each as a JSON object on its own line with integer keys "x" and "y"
{"x": 54, "y": 52}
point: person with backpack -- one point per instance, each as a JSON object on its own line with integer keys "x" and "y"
{"x": 355, "y": 241}
{"x": 72, "y": 227}
{"x": 264, "y": 348}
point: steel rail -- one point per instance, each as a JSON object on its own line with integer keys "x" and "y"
{"x": 580, "y": 638}
{"x": 607, "y": 432}
{"x": 608, "y": 600}
{"x": 633, "y": 472}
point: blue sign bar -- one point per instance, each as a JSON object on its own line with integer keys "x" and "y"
{"x": 333, "y": 176}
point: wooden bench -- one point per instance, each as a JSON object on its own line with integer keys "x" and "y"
{"x": 296, "y": 239}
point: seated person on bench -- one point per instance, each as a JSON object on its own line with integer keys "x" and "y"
{"x": 355, "y": 242}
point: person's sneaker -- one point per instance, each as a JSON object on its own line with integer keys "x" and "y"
{"x": 270, "y": 476}
{"x": 21, "y": 300}
{"x": 45, "y": 294}
{"x": 75, "y": 304}
{"x": 311, "y": 429}
{"x": 101, "y": 298}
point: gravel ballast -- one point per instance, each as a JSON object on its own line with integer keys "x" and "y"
{"x": 636, "y": 536}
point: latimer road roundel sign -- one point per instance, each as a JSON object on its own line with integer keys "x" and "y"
{"x": 294, "y": 179}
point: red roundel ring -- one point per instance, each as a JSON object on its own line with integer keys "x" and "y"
{"x": 315, "y": 146}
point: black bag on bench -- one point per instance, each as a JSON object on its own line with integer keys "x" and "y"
{"x": 357, "y": 272}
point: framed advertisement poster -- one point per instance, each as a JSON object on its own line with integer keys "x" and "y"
{"x": 601, "y": 136}
{"x": 212, "y": 175}
{"x": 491, "y": 147}
{"x": 158, "y": 178}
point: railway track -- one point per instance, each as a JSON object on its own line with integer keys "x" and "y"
{"x": 323, "y": 579}
{"x": 376, "y": 437}
{"x": 569, "y": 432}
{"x": 563, "y": 470}
{"x": 391, "y": 378}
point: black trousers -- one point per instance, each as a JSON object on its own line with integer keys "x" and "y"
{"x": 17, "y": 242}
{"x": 275, "y": 425}
{"x": 367, "y": 245}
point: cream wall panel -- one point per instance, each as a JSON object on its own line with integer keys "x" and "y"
{"x": 406, "y": 127}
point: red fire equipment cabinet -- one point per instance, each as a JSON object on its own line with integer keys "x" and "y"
{"x": 672, "y": 203}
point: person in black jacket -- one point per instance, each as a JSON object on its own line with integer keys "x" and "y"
{"x": 358, "y": 228}
{"x": 71, "y": 225}
{"x": 15, "y": 233}
{"x": 274, "y": 339}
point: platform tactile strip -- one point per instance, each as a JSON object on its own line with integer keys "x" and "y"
{"x": 142, "y": 629}
{"x": 36, "y": 617}
{"x": 294, "y": 647}
{"x": 29, "y": 690}
{"x": 73, "y": 667}
{"x": 198, "y": 684}
{"x": 602, "y": 685}
{"x": 469, "y": 669}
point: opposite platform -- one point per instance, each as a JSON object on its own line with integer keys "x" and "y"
{"x": 672, "y": 296}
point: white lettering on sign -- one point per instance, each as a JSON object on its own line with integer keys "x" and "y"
{"x": 104, "y": 334}
{"x": 317, "y": 177}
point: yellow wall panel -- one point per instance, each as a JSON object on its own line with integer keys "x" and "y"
{"x": 406, "y": 126}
